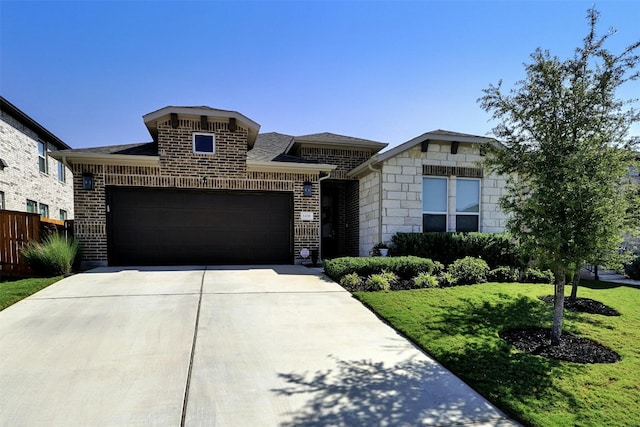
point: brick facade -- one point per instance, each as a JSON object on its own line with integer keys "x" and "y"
{"x": 22, "y": 180}
{"x": 179, "y": 167}
{"x": 344, "y": 159}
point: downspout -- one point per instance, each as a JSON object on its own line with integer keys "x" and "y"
{"x": 379, "y": 172}
{"x": 320, "y": 179}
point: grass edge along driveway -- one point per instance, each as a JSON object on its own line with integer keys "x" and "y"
{"x": 459, "y": 327}
{"x": 14, "y": 291}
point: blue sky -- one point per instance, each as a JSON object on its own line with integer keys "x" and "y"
{"x": 386, "y": 71}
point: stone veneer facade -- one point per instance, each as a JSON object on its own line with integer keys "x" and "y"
{"x": 179, "y": 167}
{"x": 22, "y": 180}
{"x": 401, "y": 180}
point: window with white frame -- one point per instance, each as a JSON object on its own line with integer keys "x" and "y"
{"x": 42, "y": 156}
{"x": 63, "y": 215}
{"x": 204, "y": 143}
{"x": 44, "y": 210}
{"x": 32, "y": 206}
{"x": 62, "y": 175}
{"x": 434, "y": 204}
{"x": 467, "y": 204}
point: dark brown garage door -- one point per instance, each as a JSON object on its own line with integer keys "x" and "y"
{"x": 183, "y": 227}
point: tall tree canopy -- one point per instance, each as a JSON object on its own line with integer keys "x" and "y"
{"x": 567, "y": 153}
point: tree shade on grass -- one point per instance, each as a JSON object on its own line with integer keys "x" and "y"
{"x": 460, "y": 327}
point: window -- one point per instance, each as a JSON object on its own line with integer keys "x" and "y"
{"x": 2, "y": 200}
{"x": 204, "y": 143}
{"x": 63, "y": 215}
{"x": 44, "y": 210}
{"x": 42, "y": 156}
{"x": 32, "y": 207}
{"x": 62, "y": 172}
{"x": 467, "y": 204}
{"x": 434, "y": 204}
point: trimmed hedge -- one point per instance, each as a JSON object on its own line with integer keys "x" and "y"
{"x": 497, "y": 249}
{"x": 405, "y": 267}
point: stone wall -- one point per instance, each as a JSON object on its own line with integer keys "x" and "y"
{"x": 402, "y": 192}
{"x": 22, "y": 179}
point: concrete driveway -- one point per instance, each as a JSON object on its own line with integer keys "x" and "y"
{"x": 217, "y": 346}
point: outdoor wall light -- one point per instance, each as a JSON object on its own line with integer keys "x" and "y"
{"x": 306, "y": 189}
{"x": 87, "y": 181}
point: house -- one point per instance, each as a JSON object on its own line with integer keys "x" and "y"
{"x": 210, "y": 189}
{"x": 31, "y": 181}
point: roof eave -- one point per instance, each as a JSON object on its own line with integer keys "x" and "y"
{"x": 261, "y": 166}
{"x": 151, "y": 119}
{"x": 105, "y": 159}
{"x": 23, "y": 118}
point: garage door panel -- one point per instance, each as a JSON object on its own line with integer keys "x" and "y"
{"x": 160, "y": 226}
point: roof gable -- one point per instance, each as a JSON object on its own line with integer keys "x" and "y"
{"x": 36, "y": 127}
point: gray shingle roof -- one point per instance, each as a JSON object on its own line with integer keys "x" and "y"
{"x": 269, "y": 146}
{"x": 140, "y": 149}
{"x": 332, "y": 137}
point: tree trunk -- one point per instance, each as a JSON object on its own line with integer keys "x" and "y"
{"x": 558, "y": 307}
{"x": 574, "y": 288}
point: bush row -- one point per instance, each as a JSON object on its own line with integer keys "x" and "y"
{"x": 497, "y": 249}
{"x": 405, "y": 267}
{"x": 370, "y": 274}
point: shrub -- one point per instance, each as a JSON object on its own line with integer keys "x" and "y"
{"x": 534, "y": 275}
{"x": 351, "y": 282}
{"x": 438, "y": 267}
{"x": 446, "y": 279}
{"x": 632, "y": 270}
{"x": 469, "y": 270}
{"x": 504, "y": 274}
{"x": 425, "y": 280}
{"x": 52, "y": 257}
{"x": 381, "y": 281}
{"x": 404, "y": 267}
{"x": 497, "y": 249}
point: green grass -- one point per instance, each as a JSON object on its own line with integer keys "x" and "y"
{"x": 459, "y": 327}
{"x": 12, "y": 292}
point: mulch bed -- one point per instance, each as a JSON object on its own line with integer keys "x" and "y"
{"x": 584, "y": 305}
{"x": 537, "y": 341}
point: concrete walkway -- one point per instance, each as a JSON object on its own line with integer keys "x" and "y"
{"x": 216, "y": 346}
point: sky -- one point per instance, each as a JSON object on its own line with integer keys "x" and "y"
{"x": 381, "y": 70}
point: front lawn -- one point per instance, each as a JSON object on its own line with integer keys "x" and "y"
{"x": 12, "y": 292}
{"x": 459, "y": 326}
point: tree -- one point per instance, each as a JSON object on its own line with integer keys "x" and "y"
{"x": 566, "y": 153}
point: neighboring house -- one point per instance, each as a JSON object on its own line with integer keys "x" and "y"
{"x": 209, "y": 189}
{"x": 31, "y": 181}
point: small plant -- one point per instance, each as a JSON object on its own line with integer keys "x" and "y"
{"x": 534, "y": 275}
{"x": 381, "y": 281}
{"x": 52, "y": 257}
{"x": 425, "y": 280}
{"x": 504, "y": 274}
{"x": 380, "y": 249}
{"x": 351, "y": 282}
{"x": 469, "y": 270}
{"x": 446, "y": 279}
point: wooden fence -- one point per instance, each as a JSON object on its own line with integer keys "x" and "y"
{"x": 18, "y": 228}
